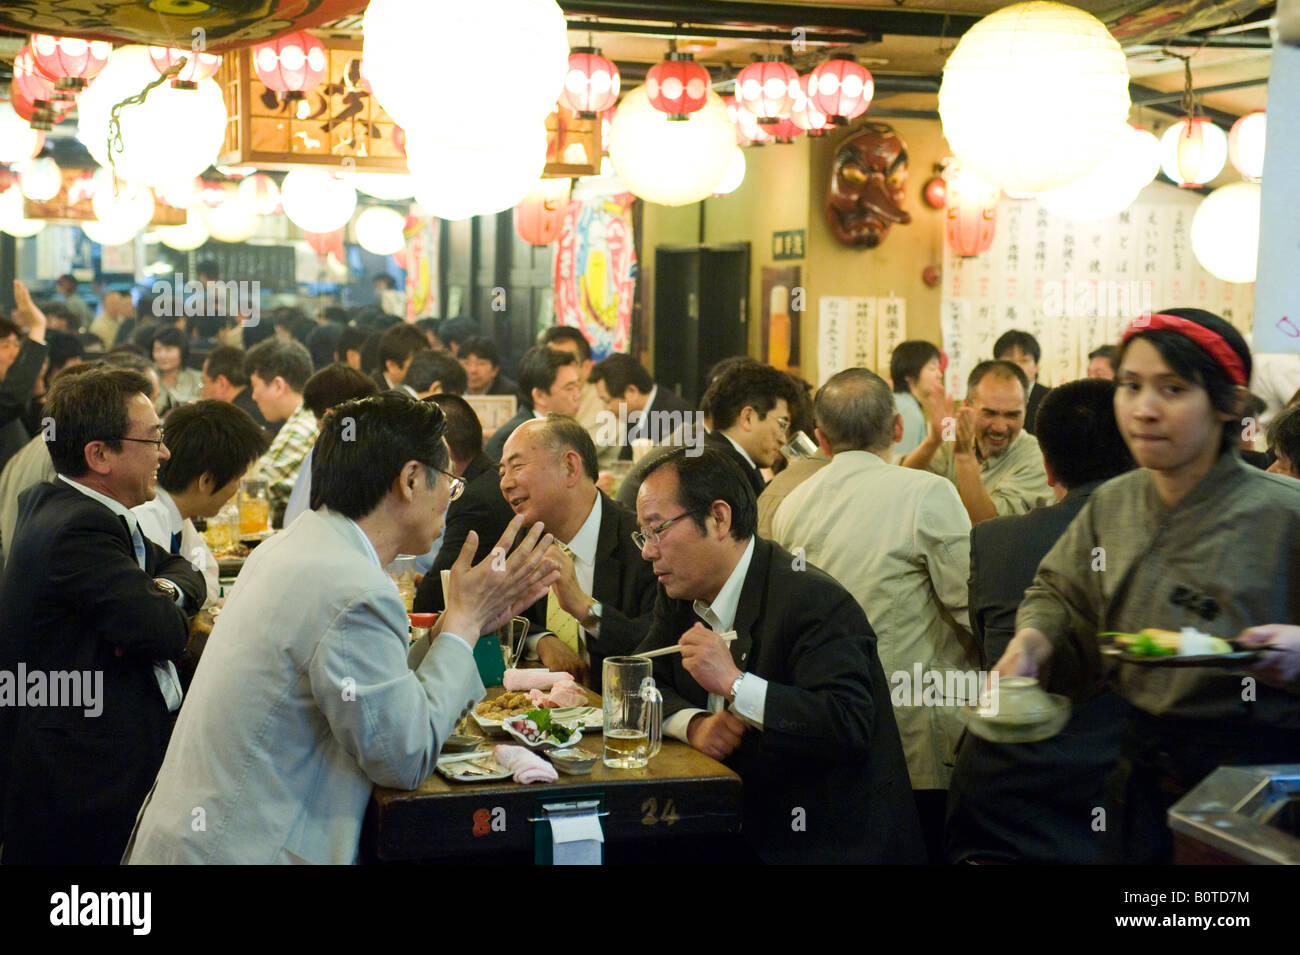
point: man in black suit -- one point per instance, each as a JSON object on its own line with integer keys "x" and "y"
{"x": 1023, "y": 349}
{"x": 21, "y": 358}
{"x": 549, "y": 383}
{"x": 810, "y": 727}
{"x": 397, "y": 348}
{"x": 601, "y": 604}
{"x": 630, "y": 394}
{"x": 480, "y": 506}
{"x": 85, "y": 595}
{"x": 482, "y": 363}
{"x": 1033, "y": 802}
{"x": 748, "y": 408}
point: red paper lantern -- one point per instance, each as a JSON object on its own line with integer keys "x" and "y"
{"x": 33, "y": 96}
{"x": 215, "y": 193}
{"x": 807, "y": 116}
{"x": 841, "y": 88}
{"x": 767, "y": 89}
{"x": 591, "y": 86}
{"x": 678, "y": 86}
{"x": 972, "y": 209}
{"x": 198, "y": 65}
{"x": 748, "y": 130}
{"x": 935, "y": 192}
{"x": 539, "y": 217}
{"x": 260, "y": 193}
{"x": 326, "y": 243}
{"x": 69, "y": 61}
{"x": 786, "y": 131}
{"x": 292, "y": 65}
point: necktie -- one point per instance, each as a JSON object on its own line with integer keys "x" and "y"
{"x": 176, "y": 543}
{"x": 137, "y": 540}
{"x": 561, "y": 623}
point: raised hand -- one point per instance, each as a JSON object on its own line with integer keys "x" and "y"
{"x": 31, "y": 316}
{"x": 483, "y": 597}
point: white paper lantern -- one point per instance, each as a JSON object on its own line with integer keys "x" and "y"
{"x": 471, "y": 68}
{"x": 109, "y": 233}
{"x": 184, "y": 238}
{"x": 182, "y": 194}
{"x": 172, "y": 135}
{"x": 1112, "y": 186}
{"x": 383, "y": 185}
{"x": 317, "y": 201}
{"x": 1225, "y": 232}
{"x": 455, "y": 181}
{"x": 12, "y": 219}
{"x": 1034, "y": 96}
{"x": 18, "y": 141}
{"x": 1193, "y": 158}
{"x": 133, "y": 207}
{"x": 670, "y": 163}
{"x": 1246, "y": 145}
{"x": 41, "y": 179}
{"x": 260, "y": 193}
{"x": 231, "y": 221}
{"x": 735, "y": 174}
{"x": 380, "y": 230}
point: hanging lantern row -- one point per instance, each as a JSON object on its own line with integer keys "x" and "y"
{"x": 33, "y": 94}
{"x": 1193, "y": 151}
{"x": 1246, "y": 145}
{"x": 841, "y": 88}
{"x": 767, "y": 89}
{"x": 70, "y": 62}
{"x": 678, "y": 86}
{"x": 592, "y": 84}
{"x": 291, "y": 65}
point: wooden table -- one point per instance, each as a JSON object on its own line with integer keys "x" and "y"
{"x": 681, "y": 793}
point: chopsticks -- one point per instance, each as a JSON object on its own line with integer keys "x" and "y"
{"x": 727, "y": 637}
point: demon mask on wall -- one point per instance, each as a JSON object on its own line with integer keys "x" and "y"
{"x": 866, "y": 190}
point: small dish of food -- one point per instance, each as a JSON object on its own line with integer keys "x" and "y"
{"x": 1017, "y": 710}
{"x": 472, "y": 768}
{"x": 461, "y": 744}
{"x": 573, "y": 760}
{"x": 536, "y": 730}
{"x": 491, "y": 714}
{"x": 1188, "y": 647}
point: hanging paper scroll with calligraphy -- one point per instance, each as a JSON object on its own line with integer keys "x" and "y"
{"x": 595, "y": 272}
{"x": 858, "y": 332}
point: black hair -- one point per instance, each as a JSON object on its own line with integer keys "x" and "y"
{"x": 707, "y": 477}
{"x": 322, "y": 341}
{"x": 562, "y": 433}
{"x": 484, "y": 348}
{"x": 618, "y": 371}
{"x": 1193, "y": 363}
{"x": 364, "y": 444}
{"x": 1015, "y": 338}
{"x": 907, "y": 361}
{"x": 63, "y": 348}
{"x": 279, "y": 359}
{"x": 1078, "y": 434}
{"x": 208, "y": 326}
{"x": 229, "y": 361}
{"x": 566, "y": 333}
{"x": 998, "y": 368}
{"x": 205, "y": 437}
{"x": 256, "y": 333}
{"x": 66, "y": 315}
{"x": 750, "y": 385}
{"x": 1254, "y": 406}
{"x": 429, "y": 366}
{"x": 464, "y": 430}
{"x": 336, "y": 314}
{"x": 287, "y": 316}
{"x": 538, "y": 369}
{"x": 8, "y": 328}
{"x": 383, "y": 278}
{"x": 351, "y": 338}
{"x": 171, "y": 337}
{"x": 1284, "y": 435}
{"x": 90, "y": 407}
{"x": 399, "y": 343}
{"x": 333, "y": 385}
{"x": 1108, "y": 352}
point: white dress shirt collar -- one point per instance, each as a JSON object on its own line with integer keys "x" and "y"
{"x": 650, "y": 401}
{"x": 743, "y": 452}
{"x": 721, "y": 614}
{"x": 175, "y": 523}
{"x": 115, "y": 506}
{"x": 583, "y": 545}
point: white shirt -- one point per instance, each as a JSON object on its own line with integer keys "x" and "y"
{"x": 583, "y": 548}
{"x": 743, "y": 452}
{"x": 720, "y": 617}
{"x": 160, "y": 519}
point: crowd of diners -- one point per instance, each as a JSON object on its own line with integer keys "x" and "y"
{"x": 1003, "y": 530}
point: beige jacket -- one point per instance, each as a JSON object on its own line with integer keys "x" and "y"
{"x": 898, "y": 540}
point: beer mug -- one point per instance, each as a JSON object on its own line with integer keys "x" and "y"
{"x": 402, "y": 570}
{"x": 254, "y": 507}
{"x": 800, "y": 446}
{"x": 633, "y": 713}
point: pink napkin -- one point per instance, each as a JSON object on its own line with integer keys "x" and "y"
{"x": 527, "y": 767}
{"x": 518, "y": 681}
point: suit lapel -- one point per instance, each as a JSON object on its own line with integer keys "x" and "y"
{"x": 750, "y": 608}
{"x": 604, "y": 577}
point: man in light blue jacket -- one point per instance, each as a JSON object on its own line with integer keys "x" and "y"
{"x": 306, "y": 696}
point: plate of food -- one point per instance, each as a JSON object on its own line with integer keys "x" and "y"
{"x": 491, "y": 714}
{"x": 1017, "y": 710}
{"x": 537, "y": 729}
{"x": 589, "y": 719}
{"x": 1188, "y": 647}
{"x": 477, "y": 767}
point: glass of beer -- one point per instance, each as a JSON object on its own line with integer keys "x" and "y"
{"x": 402, "y": 570}
{"x": 633, "y": 712}
{"x": 254, "y": 507}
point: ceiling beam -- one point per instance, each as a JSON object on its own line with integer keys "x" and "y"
{"x": 782, "y": 36}
{"x": 1145, "y": 96}
{"x": 787, "y": 16}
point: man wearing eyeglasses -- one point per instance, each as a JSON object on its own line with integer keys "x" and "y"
{"x": 601, "y": 604}
{"x": 90, "y": 604}
{"x": 797, "y": 704}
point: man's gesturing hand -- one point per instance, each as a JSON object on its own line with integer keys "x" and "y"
{"x": 716, "y": 736}
{"x": 482, "y": 597}
{"x": 708, "y": 659}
